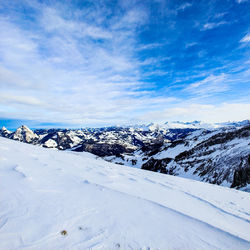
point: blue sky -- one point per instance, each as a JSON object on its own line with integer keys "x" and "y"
{"x": 95, "y": 63}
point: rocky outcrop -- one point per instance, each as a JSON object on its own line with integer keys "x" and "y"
{"x": 157, "y": 165}
{"x": 221, "y": 159}
{"x": 242, "y": 174}
{"x": 61, "y": 140}
{"x": 103, "y": 149}
{"x": 24, "y": 134}
{"x": 4, "y": 132}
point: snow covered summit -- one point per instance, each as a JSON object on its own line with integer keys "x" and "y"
{"x": 68, "y": 200}
{"x": 4, "y": 132}
{"x": 24, "y": 134}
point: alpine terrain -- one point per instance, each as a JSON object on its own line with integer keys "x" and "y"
{"x": 214, "y": 153}
{"x": 54, "y": 199}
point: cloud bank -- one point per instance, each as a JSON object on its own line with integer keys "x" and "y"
{"x": 96, "y": 64}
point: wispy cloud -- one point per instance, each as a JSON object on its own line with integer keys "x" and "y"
{"x": 23, "y": 100}
{"x": 150, "y": 46}
{"x": 78, "y": 69}
{"x": 188, "y": 45}
{"x": 213, "y": 25}
{"x": 214, "y": 84}
{"x": 184, "y": 6}
{"x": 96, "y": 63}
{"x": 209, "y": 85}
{"x": 205, "y": 112}
{"x": 245, "y": 39}
{"x": 241, "y": 1}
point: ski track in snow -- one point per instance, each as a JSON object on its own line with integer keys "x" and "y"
{"x": 106, "y": 206}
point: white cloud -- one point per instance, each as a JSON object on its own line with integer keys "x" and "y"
{"x": 188, "y": 45}
{"x": 245, "y": 39}
{"x": 79, "y": 68}
{"x": 219, "y": 15}
{"x": 25, "y": 100}
{"x": 241, "y": 1}
{"x": 211, "y": 84}
{"x": 70, "y": 69}
{"x": 209, "y": 26}
{"x": 53, "y": 22}
{"x": 207, "y": 113}
{"x": 184, "y": 6}
{"x": 150, "y": 46}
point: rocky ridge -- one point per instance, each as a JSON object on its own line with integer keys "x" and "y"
{"x": 216, "y": 155}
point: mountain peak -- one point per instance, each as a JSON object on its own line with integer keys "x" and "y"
{"x": 4, "y": 132}
{"x": 25, "y": 128}
{"x": 25, "y": 134}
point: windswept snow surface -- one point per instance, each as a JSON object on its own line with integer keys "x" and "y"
{"x": 106, "y": 206}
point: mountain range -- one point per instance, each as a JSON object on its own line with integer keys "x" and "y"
{"x": 214, "y": 153}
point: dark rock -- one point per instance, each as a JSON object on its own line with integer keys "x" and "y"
{"x": 242, "y": 174}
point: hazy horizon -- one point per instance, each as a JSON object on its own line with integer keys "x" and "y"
{"x": 12, "y": 125}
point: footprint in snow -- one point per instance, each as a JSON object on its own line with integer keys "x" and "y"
{"x": 19, "y": 171}
{"x": 132, "y": 179}
{"x": 86, "y": 182}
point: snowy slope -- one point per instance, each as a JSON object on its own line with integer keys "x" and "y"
{"x": 220, "y": 157}
{"x": 106, "y": 206}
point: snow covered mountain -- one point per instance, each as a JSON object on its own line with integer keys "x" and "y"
{"x": 24, "y": 134}
{"x": 218, "y": 155}
{"x": 200, "y": 124}
{"x": 100, "y": 141}
{"x": 54, "y": 199}
{"x": 4, "y": 132}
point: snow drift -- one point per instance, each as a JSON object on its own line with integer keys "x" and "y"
{"x": 53, "y": 199}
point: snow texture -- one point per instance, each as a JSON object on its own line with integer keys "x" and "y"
{"x": 101, "y": 205}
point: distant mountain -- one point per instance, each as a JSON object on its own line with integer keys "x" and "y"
{"x": 24, "y": 134}
{"x": 233, "y": 124}
{"x": 218, "y": 153}
{"x": 220, "y": 157}
{"x": 127, "y": 139}
{"x": 4, "y": 132}
{"x": 199, "y": 124}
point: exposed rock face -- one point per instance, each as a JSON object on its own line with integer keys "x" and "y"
{"x": 157, "y": 165}
{"x": 242, "y": 174}
{"x": 24, "y": 134}
{"x": 61, "y": 140}
{"x": 103, "y": 149}
{"x": 222, "y": 158}
{"x": 4, "y": 132}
